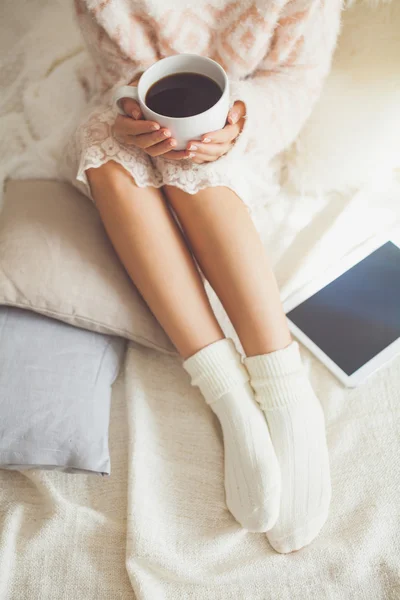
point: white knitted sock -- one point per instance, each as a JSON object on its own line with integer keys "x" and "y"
{"x": 297, "y": 427}
{"x": 252, "y": 480}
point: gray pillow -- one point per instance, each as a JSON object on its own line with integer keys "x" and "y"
{"x": 55, "y": 389}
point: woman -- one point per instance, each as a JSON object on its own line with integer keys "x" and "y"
{"x": 276, "y": 54}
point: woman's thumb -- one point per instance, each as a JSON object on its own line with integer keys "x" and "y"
{"x": 131, "y": 108}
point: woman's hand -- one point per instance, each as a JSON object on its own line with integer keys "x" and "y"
{"x": 217, "y": 143}
{"x": 157, "y": 141}
{"x": 133, "y": 130}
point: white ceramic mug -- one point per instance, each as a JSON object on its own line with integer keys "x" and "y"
{"x": 183, "y": 129}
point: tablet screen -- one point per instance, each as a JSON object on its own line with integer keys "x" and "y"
{"x": 357, "y": 315}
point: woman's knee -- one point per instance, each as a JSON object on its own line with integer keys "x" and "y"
{"x": 110, "y": 175}
{"x": 208, "y": 203}
{"x": 110, "y": 183}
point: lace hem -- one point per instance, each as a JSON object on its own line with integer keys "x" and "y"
{"x": 139, "y": 171}
{"x": 94, "y": 145}
{"x": 192, "y": 178}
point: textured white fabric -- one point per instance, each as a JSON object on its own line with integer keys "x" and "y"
{"x": 216, "y": 369}
{"x": 181, "y": 541}
{"x": 46, "y": 81}
{"x": 252, "y": 477}
{"x": 42, "y": 95}
{"x": 296, "y": 422}
{"x": 45, "y": 73}
{"x": 344, "y": 144}
{"x": 63, "y": 536}
{"x": 278, "y": 74}
{"x": 67, "y": 534}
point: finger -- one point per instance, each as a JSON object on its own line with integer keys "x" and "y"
{"x": 146, "y": 140}
{"x": 202, "y": 158}
{"x": 127, "y": 126}
{"x": 135, "y": 81}
{"x": 161, "y": 148}
{"x": 215, "y": 150}
{"x": 237, "y": 112}
{"x": 227, "y": 134}
{"x": 131, "y": 108}
{"x": 178, "y": 155}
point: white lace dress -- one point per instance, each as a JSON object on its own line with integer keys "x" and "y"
{"x": 285, "y": 49}
{"x": 94, "y": 144}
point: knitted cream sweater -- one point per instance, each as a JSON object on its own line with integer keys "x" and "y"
{"x": 276, "y": 54}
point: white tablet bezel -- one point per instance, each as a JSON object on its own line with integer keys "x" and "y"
{"x": 347, "y": 263}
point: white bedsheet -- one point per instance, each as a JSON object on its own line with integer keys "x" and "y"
{"x": 64, "y": 536}
{"x": 182, "y": 541}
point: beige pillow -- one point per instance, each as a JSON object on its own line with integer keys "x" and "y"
{"x": 55, "y": 259}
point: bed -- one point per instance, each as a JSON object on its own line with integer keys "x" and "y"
{"x": 158, "y": 528}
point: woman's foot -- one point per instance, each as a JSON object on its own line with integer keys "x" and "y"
{"x": 252, "y": 479}
{"x": 296, "y": 423}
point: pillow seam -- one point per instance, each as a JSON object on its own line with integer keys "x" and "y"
{"x": 124, "y": 333}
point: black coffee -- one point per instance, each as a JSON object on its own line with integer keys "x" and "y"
{"x": 183, "y": 95}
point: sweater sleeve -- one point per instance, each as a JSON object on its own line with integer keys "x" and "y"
{"x": 280, "y": 94}
{"x": 107, "y": 43}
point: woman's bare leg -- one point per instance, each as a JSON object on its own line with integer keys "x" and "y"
{"x": 152, "y": 248}
{"x": 230, "y": 253}
{"x": 153, "y": 251}
{"x": 232, "y": 257}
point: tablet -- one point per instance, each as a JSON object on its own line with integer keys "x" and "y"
{"x": 352, "y": 324}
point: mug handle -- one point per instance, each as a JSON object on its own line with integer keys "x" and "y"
{"x": 125, "y": 91}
